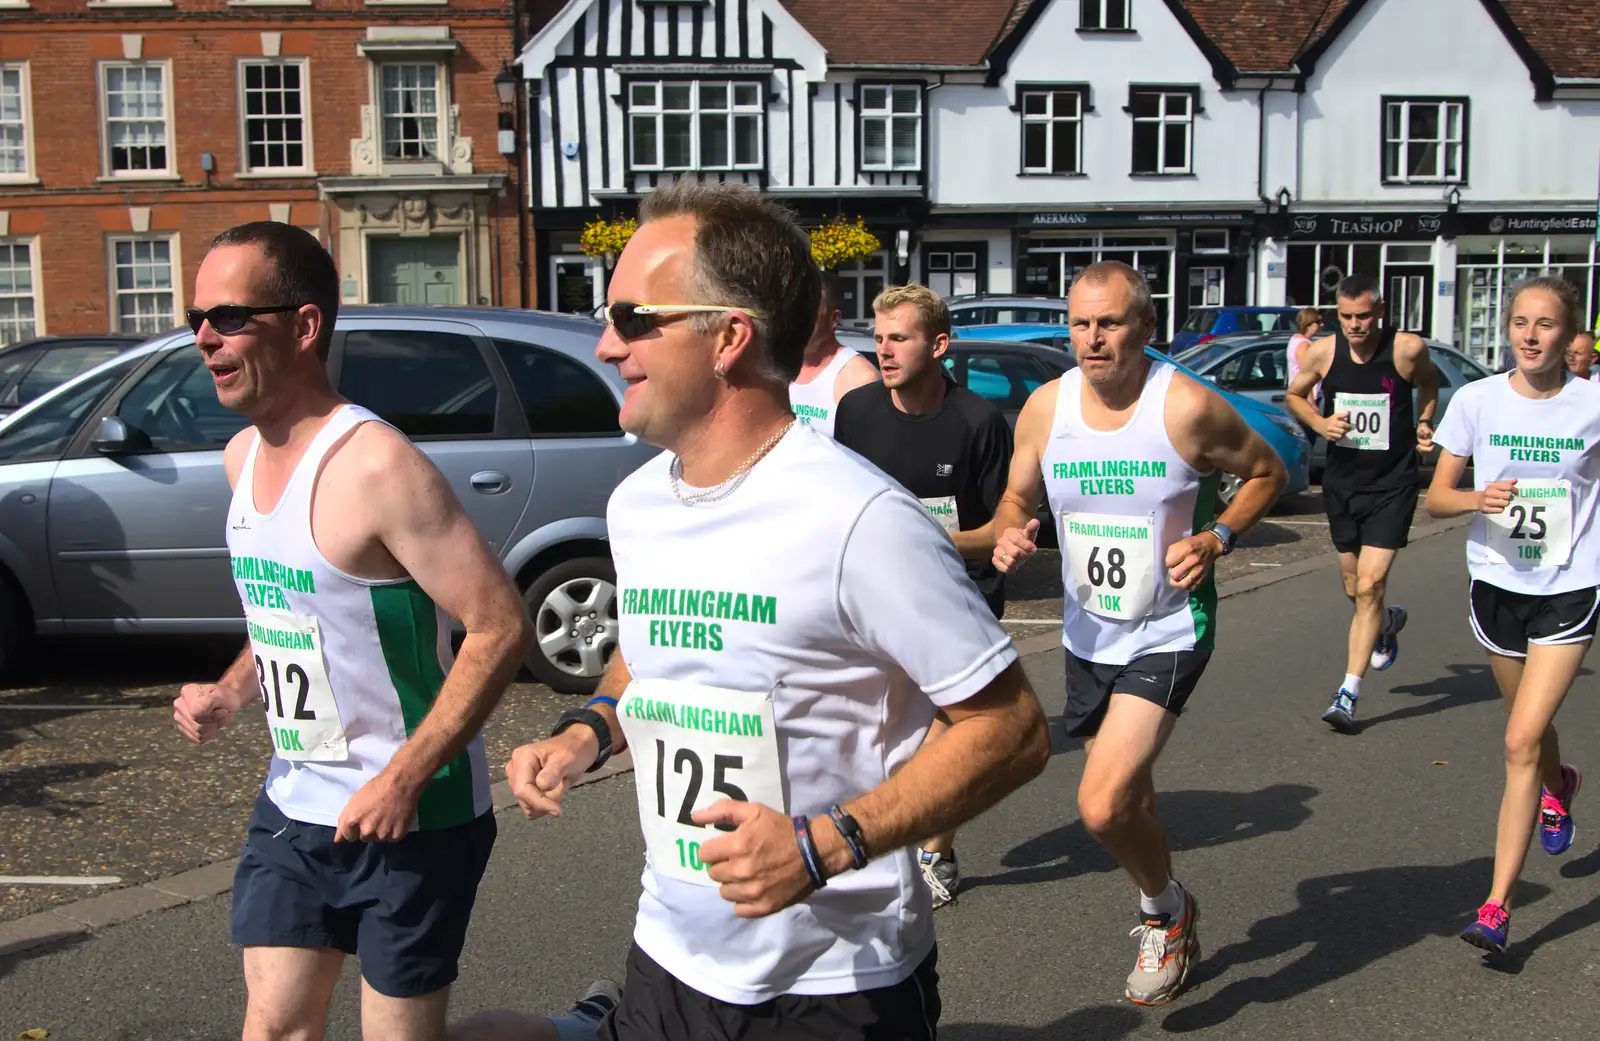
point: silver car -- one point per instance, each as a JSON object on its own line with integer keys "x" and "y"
{"x": 1257, "y": 367}
{"x": 113, "y": 496}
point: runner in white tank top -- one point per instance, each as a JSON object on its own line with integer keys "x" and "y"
{"x": 350, "y": 552}
{"x": 775, "y": 674}
{"x": 829, "y": 370}
{"x": 1533, "y": 437}
{"x": 1128, "y": 450}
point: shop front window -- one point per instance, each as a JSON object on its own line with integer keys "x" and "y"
{"x": 1489, "y": 269}
{"x": 1048, "y": 266}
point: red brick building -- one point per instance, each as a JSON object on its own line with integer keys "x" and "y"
{"x": 132, "y": 131}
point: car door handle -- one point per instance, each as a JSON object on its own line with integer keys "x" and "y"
{"x": 490, "y": 482}
{"x": 1277, "y": 397}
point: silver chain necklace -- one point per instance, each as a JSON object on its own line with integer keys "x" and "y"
{"x": 725, "y": 488}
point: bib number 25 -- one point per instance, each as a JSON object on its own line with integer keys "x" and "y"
{"x": 1529, "y": 522}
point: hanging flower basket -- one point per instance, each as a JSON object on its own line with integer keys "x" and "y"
{"x": 838, "y": 242}
{"x": 606, "y": 238}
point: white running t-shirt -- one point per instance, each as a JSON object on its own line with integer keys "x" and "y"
{"x": 1544, "y": 543}
{"x": 813, "y": 403}
{"x": 790, "y": 640}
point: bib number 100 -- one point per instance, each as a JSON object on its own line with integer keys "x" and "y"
{"x": 1366, "y": 422}
{"x": 687, "y": 761}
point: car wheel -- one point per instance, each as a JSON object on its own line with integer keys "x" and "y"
{"x": 1227, "y": 488}
{"x": 573, "y": 606}
{"x": 16, "y": 624}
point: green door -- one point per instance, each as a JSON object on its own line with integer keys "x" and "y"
{"x": 414, "y": 271}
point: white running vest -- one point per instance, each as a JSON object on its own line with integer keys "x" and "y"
{"x": 1120, "y": 498}
{"x": 348, "y": 667}
{"x": 1544, "y": 543}
{"x": 813, "y": 402}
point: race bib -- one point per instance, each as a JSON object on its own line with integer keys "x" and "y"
{"x": 1536, "y": 529}
{"x": 693, "y": 745}
{"x": 1113, "y": 563}
{"x": 944, "y": 511}
{"x": 1369, "y": 421}
{"x": 301, "y": 713}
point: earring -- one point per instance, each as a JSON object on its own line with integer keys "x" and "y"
{"x": 718, "y": 373}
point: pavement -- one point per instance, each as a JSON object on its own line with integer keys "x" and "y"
{"x": 1333, "y": 872}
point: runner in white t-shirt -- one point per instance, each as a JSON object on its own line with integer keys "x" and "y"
{"x": 829, "y": 369}
{"x": 1533, "y": 436}
{"x": 1580, "y": 357}
{"x": 1129, "y": 451}
{"x": 790, "y": 621}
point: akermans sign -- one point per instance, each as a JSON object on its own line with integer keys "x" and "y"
{"x": 1154, "y": 218}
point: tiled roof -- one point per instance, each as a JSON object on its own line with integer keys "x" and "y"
{"x": 906, "y": 32}
{"x": 1565, "y": 33}
{"x": 1265, "y": 35}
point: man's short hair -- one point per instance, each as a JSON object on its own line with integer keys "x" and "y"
{"x": 832, "y": 292}
{"x": 302, "y": 271}
{"x": 1101, "y": 272}
{"x": 933, "y": 314}
{"x": 1353, "y": 287}
{"x": 748, "y": 252}
{"x": 1565, "y": 293}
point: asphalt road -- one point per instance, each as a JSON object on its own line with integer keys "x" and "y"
{"x": 1333, "y": 872}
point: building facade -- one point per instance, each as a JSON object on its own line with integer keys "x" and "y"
{"x": 133, "y": 131}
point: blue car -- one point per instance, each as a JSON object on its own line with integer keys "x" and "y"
{"x": 1208, "y": 323}
{"x": 1275, "y": 426}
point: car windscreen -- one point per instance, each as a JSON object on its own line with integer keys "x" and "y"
{"x": 1203, "y": 357}
{"x": 1200, "y": 320}
{"x": 60, "y": 364}
{"x": 1266, "y": 321}
{"x": 44, "y": 432}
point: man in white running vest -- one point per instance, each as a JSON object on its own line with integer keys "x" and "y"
{"x": 791, "y": 618}
{"x": 351, "y": 554}
{"x": 1130, "y": 451}
{"x": 829, "y": 370}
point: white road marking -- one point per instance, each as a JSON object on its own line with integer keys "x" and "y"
{"x": 1031, "y": 621}
{"x": 62, "y": 708}
{"x": 1257, "y": 563}
{"x": 59, "y": 880}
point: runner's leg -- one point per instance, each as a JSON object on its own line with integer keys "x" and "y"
{"x": 1508, "y": 677}
{"x": 1371, "y": 577}
{"x": 287, "y": 991}
{"x": 1547, "y": 675}
{"x": 1116, "y": 798}
{"x": 420, "y": 1018}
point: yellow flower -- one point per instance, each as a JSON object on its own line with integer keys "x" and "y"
{"x": 602, "y": 236}
{"x": 837, "y": 242}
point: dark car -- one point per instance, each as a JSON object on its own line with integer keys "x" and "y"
{"x": 34, "y": 367}
{"x": 1208, "y": 323}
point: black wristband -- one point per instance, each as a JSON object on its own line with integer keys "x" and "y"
{"x": 594, "y": 721}
{"x": 850, "y": 831}
{"x": 808, "y": 852}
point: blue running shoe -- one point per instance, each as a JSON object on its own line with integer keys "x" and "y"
{"x": 1387, "y": 649}
{"x": 1555, "y": 813}
{"x": 1489, "y": 931}
{"x": 1341, "y": 715}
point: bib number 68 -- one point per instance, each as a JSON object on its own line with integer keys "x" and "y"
{"x": 687, "y": 759}
{"x": 1110, "y": 572}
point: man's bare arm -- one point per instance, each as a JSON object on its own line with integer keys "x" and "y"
{"x": 1416, "y": 357}
{"x": 1228, "y": 443}
{"x": 424, "y": 527}
{"x": 1025, "y": 484}
{"x": 997, "y": 742}
{"x": 858, "y": 372}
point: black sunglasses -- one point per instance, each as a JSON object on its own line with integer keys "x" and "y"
{"x": 228, "y": 319}
{"x": 633, "y": 320}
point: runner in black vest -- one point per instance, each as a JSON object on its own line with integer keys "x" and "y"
{"x": 1370, "y": 483}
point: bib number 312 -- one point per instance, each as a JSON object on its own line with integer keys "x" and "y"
{"x": 696, "y": 745}
{"x": 302, "y": 716}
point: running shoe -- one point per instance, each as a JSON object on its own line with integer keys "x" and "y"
{"x": 941, "y": 874}
{"x": 599, "y": 1001}
{"x": 1341, "y": 715}
{"x": 1489, "y": 931}
{"x": 1387, "y": 649}
{"x": 1555, "y": 813}
{"x": 1167, "y": 949}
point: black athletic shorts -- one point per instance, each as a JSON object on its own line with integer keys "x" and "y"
{"x": 1167, "y": 678}
{"x": 1506, "y": 622}
{"x": 401, "y": 907}
{"x": 1380, "y": 519}
{"x": 657, "y": 1007}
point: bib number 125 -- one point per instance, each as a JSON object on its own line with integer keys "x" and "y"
{"x": 688, "y": 760}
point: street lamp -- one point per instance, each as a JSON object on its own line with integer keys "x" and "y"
{"x": 505, "y": 84}
{"x": 1284, "y": 199}
{"x": 1453, "y": 198}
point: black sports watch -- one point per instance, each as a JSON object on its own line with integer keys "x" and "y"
{"x": 594, "y": 721}
{"x": 1226, "y": 535}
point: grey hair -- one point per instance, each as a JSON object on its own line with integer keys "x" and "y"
{"x": 748, "y": 252}
{"x": 1558, "y": 287}
{"x": 1144, "y": 305}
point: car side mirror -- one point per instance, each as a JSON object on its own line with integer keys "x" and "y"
{"x": 114, "y": 436}
{"x": 1210, "y": 377}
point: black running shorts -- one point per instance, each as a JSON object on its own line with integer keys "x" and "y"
{"x": 657, "y": 1007}
{"x": 1380, "y": 519}
{"x": 1506, "y": 622}
{"x": 1167, "y": 679}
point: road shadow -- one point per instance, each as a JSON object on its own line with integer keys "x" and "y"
{"x": 1583, "y": 867}
{"x": 1463, "y": 685}
{"x": 10, "y": 960}
{"x": 1349, "y": 920}
{"x": 1193, "y": 820}
{"x": 1096, "y": 1023}
{"x": 1269, "y": 534}
{"x": 29, "y": 786}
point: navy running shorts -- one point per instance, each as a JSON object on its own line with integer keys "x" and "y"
{"x": 1166, "y": 678}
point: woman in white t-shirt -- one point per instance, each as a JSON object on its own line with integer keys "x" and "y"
{"x": 1309, "y": 324}
{"x": 1533, "y": 435}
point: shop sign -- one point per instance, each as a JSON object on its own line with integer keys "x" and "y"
{"x": 1527, "y": 223}
{"x": 1104, "y": 219}
{"x": 1366, "y": 226}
